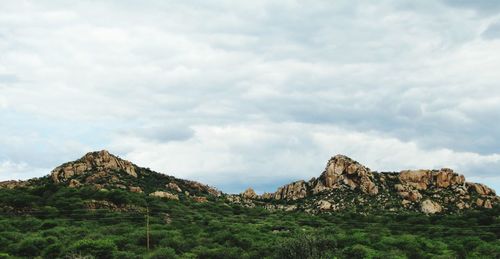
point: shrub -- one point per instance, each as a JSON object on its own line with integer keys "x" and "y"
{"x": 163, "y": 253}
{"x": 102, "y": 248}
{"x": 31, "y": 246}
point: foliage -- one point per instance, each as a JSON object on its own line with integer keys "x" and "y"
{"x": 54, "y": 222}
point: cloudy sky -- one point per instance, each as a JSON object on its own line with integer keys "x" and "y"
{"x": 251, "y": 93}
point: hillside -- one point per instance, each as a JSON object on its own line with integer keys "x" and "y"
{"x": 101, "y": 206}
{"x": 347, "y": 185}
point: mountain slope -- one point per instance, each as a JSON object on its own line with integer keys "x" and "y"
{"x": 102, "y": 170}
{"x": 106, "y": 207}
{"x": 345, "y": 184}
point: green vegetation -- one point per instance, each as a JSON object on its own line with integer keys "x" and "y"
{"x": 54, "y": 221}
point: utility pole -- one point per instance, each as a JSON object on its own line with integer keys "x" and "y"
{"x": 147, "y": 226}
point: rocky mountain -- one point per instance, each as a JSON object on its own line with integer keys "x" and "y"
{"x": 345, "y": 184}
{"x": 102, "y": 170}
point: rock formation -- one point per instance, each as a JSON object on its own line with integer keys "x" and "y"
{"x": 430, "y": 207}
{"x": 101, "y": 162}
{"x": 346, "y": 184}
{"x": 166, "y": 195}
{"x": 249, "y": 194}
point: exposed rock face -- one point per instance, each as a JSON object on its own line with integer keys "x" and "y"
{"x": 324, "y": 205}
{"x": 427, "y": 191}
{"x": 418, "y": 179}
{"x": 446, "y": 177}
{"x": 249, "y": 194}
{"x": 293, "y": 191}
{"x": 343, "y": 170}
{"x": 166, "y": 195}
{"x": 12, "y": 184}
{"x": 481, "y": 189}
{"x": 430, "y": 207}
{"x": 74, "y": 183}
{"x": 102, "y": 162}
{"x": 174, "y": 187}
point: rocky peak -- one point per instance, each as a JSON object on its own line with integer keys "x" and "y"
{"x": 346, "y": 183}
{"x": 99, "y": 163}
{"x": 341, "y": 169}
{"x": 249, "y": 194}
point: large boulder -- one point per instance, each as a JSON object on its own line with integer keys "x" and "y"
{"x": 418, "y": 179}
{"x": 166, "y": 195}
{"x": 294, "y": 191}
{"x": 430, "y": 207}
{"x": 343, "y": 170}
{"x": 249, "y": 194}
{"x": 481, "y": 189}
{"x": 446, "y": 177}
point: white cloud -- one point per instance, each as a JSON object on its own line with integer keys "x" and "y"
{"x": 221, "y": 80}
{"x": 19, "y": 171}
{"x": 268, "y": 155}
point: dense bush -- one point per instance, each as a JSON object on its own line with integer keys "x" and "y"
{"x": 53, "y": 223}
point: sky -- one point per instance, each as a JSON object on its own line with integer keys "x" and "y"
{"x": 241, "y": 94}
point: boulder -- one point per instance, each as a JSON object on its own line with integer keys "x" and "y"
{"x": 430, "y": 207}
{"x": 249, "y": 194}
{"x": 74, "y": 183}
{"x": 343, "y": 170}
{"x": 174, "y": 187}
{"x": 324, "y": 205}
{"x": 135, "y": 189}
{"x": 294, "y": 191}
{"x": 166, "y": 195}
{"x": 481, "y": 189}
{"x": 446, "y": 177}
{"x": 487, "y": 204}
{"x": 418, "y": 179}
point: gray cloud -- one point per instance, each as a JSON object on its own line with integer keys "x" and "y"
{"x": 492, "y": 32}
{"x": 482, "y": 6}
{"x": 224, "y": 81}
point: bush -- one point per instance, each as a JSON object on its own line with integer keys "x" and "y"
{"x": 31, "y": 246}
{"x": 163, "y": 253}
{"x": 102, "y": 248}
{"x": 52, "y": 251}
{"x": 358, "y": 251}
{"x": 306, "y": 246}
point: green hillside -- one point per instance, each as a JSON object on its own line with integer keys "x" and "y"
{"x": 53, "y": 221}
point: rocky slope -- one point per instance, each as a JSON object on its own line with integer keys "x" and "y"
{"x": 344, "y": 185}
{"x": 347, "y": 185}
{"x": 102, "y": 170}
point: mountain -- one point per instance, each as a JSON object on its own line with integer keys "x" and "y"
{"x": 101, "y": 206}
{"x": 346, "y": 184}
{"x": 102, "y": 170}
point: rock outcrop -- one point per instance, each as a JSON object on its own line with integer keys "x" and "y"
{"x": 104, "y": 171}
{"x": 293, "y": 191}
{"x": 430, "y": 207}
{"x": 101, "y": 162}
{"x": 13, "y": 184}
{"x": 174, "y": 187}
{"x": 249, "y": 194}
{"x": 166, "y": 195}
{"x": 346, "y": 184}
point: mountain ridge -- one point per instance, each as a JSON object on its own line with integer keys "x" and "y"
{"x": 344, "y": 185}
{"x": 427, "y": 191}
